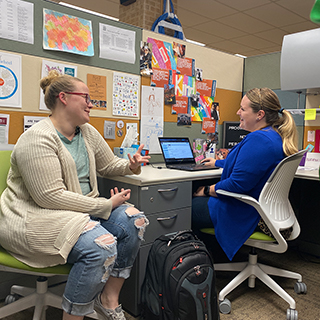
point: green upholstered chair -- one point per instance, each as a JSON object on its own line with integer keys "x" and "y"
{"x": 39, "y": 297}
{"x": 275, "y": 209}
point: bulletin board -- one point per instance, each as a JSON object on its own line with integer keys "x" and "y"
{"x": 33, "y": 55}
{"x": 226, "y": 69}
{"x": 31, "y": 97}
{"x": 36, "y": 49}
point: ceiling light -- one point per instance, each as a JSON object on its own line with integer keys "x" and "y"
{"x": 196, "y": 42}
{"x": 88, "y": 11}
{"x": 240, "y": 55}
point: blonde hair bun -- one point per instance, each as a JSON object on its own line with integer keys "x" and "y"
{"x": 50, "y": 78}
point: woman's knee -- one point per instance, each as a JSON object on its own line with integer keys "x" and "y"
{"x": 106, "y": 242}
{"x": 140, "y": 220}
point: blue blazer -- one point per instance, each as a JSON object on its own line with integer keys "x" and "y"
{"x": 245, "y": 170}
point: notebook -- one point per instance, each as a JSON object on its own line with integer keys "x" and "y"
{"x": 177, "y": 154}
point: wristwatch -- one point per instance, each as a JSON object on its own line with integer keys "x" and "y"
{"x": 206, "y": 191}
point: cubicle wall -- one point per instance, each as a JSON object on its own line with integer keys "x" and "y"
{"x": 226, "y": 69}
{"x": 31, "y": 64}
{"x": 264, "y": 71}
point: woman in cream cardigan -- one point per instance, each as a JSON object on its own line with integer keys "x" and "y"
{"x": 51, "y": 212}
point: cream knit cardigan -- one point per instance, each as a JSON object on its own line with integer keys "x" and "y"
{"x": 43, "y": 211}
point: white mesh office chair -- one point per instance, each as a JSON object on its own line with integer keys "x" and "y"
{"x": 275, "y": 209}
{"x": 22, "y": 298}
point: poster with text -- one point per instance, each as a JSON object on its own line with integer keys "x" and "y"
{"x": 206, "y": 87}
{"x": 4, "y": 128}
{"x": 117, "y": 43}
{"x": 29, "y": 121}
{"x": 10, "y": 80}
{"x": 125, "y": 94}
{"x": 162, "y": 54}
{"x": 62, "y": 68}
{"x": 97, "y": 85}
{"x": 16, "y": 21}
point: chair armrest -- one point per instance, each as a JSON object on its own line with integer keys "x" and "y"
{"x": 242, "y": 197}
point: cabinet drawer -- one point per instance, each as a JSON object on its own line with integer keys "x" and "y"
{"x": 165, "y": 197}
{"x": 167, "y": 222}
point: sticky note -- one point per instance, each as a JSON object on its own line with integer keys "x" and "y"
{"x": 310, "y": 114}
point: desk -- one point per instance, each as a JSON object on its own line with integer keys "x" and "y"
{"x": 305, "y": 200}
{"x": 165, "y": 197}
{"x": 307, "y": 173}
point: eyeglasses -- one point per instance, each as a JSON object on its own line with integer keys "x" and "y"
{"x": 86, "y": 96}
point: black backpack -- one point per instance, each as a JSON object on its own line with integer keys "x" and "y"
{"x": 179, "y": 282}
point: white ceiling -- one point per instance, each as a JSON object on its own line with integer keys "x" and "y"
{"x": 246, "y": 27}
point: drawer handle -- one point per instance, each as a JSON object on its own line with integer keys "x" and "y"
{"x": 168, "y": 190}
{"x": 167, "y": 218}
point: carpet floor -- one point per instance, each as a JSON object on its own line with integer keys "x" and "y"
{"x": 257, "y": 303}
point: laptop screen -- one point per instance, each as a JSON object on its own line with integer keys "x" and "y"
{"x": 176, "y": 150}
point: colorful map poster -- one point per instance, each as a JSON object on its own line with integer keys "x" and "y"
{"x": 62, "y": 32}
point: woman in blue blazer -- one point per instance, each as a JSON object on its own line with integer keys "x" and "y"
{"x": 246, "y": 169}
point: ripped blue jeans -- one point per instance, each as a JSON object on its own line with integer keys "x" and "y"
{"x": 96, "y": 256}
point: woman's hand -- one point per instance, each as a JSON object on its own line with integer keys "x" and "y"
{"x": 137, "y": 159}
{"x": 118, "y": 198}
{"x": 209, "y": 162}
{"x": 200, "y": 192}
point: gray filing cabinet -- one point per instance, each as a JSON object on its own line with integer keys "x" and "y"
{"x": 168, "y": 208}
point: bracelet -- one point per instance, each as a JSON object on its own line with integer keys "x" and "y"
{"x": 206, "y": 191}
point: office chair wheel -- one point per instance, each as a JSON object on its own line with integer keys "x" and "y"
{"x": 11, "y": 298}
{"x": 300, "y": 287}
{"x": 225, "y": 306}
{"x": 292, "y": 314}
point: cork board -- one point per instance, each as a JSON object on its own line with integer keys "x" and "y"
{"x": 229, "y": 102}
{"x": 17, "y": 120}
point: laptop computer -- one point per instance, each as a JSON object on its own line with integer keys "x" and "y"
{"x": 177, "y": 154}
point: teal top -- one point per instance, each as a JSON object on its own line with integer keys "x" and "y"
{"x": 78, "y": 151}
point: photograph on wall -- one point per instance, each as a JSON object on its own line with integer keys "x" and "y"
{"x": 152, "y": 117}
{"x": 10, "y": 80}
{"x": 145, "y": 58}
{"x": 179, "y": 50}
{"x": 62, "y": 68}
{"x": 62, "y": 32}
{"x": 169, "y": 95}
{"x": 198, "y": 74}
{"x": 184, "y": 119}
{"x": 125, "y": 94}
{"x": 97, "y": 85}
